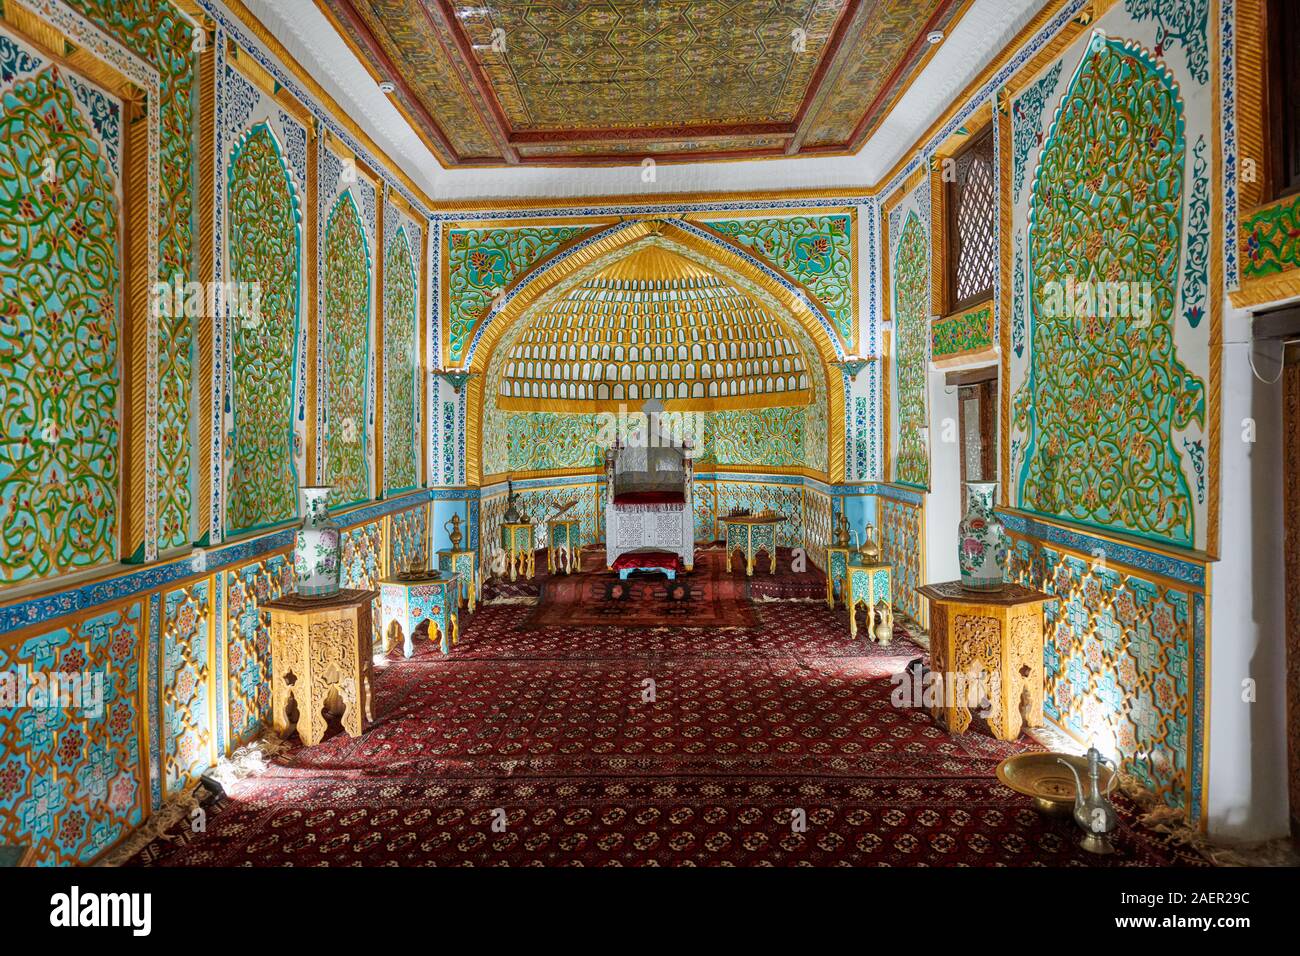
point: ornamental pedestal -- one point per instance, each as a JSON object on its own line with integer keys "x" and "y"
{"x": 563, "y": 545}
{"x": 321, "y": 663}
{"x": 751, "y": 534}
{"x": 408, "y": 603}
{"x": 987, "y": 647}
{"x": 837, "y": 568}
{"x": 464, "y": 564}
{"x": 517, "y": 543}
{"x": 871, "y": 586}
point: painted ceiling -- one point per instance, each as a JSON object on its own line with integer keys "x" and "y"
{"x": 545, "y": 82}
{"x": 653, "y": 325}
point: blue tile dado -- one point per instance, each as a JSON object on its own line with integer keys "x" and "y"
{"x": 47, "y": 607}
{"x": 1138, "y": 558}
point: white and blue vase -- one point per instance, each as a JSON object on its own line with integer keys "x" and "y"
{"x": 981, "y": 540}
{"x": 316, "y": 550}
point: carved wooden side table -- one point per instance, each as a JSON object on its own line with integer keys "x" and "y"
{"x": 989, "y": 644}
{"x": 321, "y": 657}
{"x": 517, "y": 543}
{"x": 871, "y": 586}
{"x": 463, "y": 564}
{"x": 837, "y": 567}
{"x": 406, "y": 603}
{"x": 751, "y": 534}
{"x": 563, "y": 545}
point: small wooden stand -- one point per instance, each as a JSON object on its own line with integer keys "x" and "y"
{"x": 752, "y": 534}
{"x": 406, "y": 603}
{"x": 321, "y": 658}
{"x": 517, "y": 543}
{"x": 464, "y": 564}
{"x": 871, "y": 586}
{"x": 563, "y": 545}
{"x": 992, "y": 633}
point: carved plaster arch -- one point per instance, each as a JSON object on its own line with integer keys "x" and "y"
{"x": 568, "y": 267}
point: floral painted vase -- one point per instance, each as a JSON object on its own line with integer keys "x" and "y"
{"x": 981, "y": 540}
{"x": 316, "y": 550}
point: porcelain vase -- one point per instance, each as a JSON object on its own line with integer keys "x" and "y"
{"x": 981, "y": 540}
{"x": 316, "y": 550}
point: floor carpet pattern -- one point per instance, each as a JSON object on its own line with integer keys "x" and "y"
{"x": 772, "y": 745}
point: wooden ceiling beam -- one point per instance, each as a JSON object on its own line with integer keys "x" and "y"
{"x": 639, "y": 134}
{"x": 442, "y": 18}
{"x": 380, "y": 59}
{"x": 850, "y": 23}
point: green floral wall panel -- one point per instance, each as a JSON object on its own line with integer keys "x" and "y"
{"x": 814, "y": 250}
{"x": 60, "y": 326}
{"x": 266, "y": 248}
{"x": 481, "y": 261}
{"x": 157, "y": 32}
{"x": 400, "y": 322}
{"x": 911, "y": 300}
{"x": 1270, "y": 241}
{"x": 1105, "y": 393}
{"x": 347, "y": 352}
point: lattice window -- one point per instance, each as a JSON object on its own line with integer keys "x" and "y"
{"x": 972, "y": 206}
{"x": 1283, "y": 33}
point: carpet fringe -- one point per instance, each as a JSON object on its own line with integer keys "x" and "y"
{"x": 247, "y": 761}
{"x": 518, "y": 599}
{"x": 1170, "y": 822}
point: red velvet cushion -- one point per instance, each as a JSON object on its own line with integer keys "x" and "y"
{"x": 650, "y": 498}
{"x": 647, "y": 559}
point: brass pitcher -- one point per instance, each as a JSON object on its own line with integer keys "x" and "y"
{"x": 869, "y": 549}
{"x": 842, "y": 530}
{"x": 1094, "y": 813}
{"x": 452, "y": 528}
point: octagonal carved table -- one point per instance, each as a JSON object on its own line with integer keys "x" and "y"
{"x": 321, "y": 657}
{"x": 998, "y": 634}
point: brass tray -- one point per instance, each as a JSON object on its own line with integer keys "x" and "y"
{"x": 1038, "y": 775}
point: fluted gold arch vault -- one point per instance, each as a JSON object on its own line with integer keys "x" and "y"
{"x": 570, "y": 266}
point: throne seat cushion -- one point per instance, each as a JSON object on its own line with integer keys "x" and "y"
{"x": 636, "y": 560}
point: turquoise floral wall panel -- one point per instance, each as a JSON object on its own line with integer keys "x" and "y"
{"x": 265, "y": 247}
{"x": 160, "y": 35}
{"x": 1110, "y": 360}
{"x": 909, "y": 276}
{"x": 481, "y": 261}
{"x": 401, "y": 318}
{"x": 60, "y": 268}
{"x": 816, "y": 251}
{"x": 346, "y": 351}
{"x": 72, "y": 778}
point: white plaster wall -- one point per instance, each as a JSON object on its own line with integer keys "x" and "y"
{"x": 943, "y": 503}
{"x": 1246, "y": 792}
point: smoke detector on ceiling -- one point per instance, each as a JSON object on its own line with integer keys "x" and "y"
{"x": 933, "y": 37}
{"x": 387, "y": 86}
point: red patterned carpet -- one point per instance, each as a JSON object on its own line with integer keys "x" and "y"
{"x": 706, "y": 596}
{"x": 541, "y": 747}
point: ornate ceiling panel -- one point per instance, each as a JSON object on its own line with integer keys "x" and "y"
{"x": 557, "y": 81}
{"x": 653, "y": 325}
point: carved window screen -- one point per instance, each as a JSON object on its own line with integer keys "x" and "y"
{"x": 971, "y": 255}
